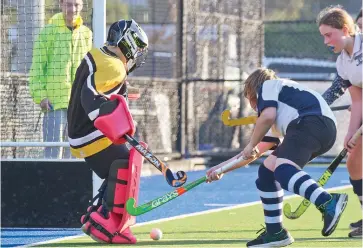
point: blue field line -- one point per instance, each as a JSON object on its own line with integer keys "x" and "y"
{"x": 237, "y": 187}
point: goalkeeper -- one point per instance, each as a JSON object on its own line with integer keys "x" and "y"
{"x": 97, "y": 114}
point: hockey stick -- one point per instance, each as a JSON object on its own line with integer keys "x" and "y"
{"x": 237, "y": 122}
{"x": 157, "y": 202}
{"x": 168, "y": 174}
{"x": 321, "y": 182}
{"x": 38, "y": 120}
{"x": 337, "y": 108}
{"x": 228, "y": 121}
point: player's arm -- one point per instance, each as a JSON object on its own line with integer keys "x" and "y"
{"x": 269, "y": 142}
{"x": 336, "y": 90}
{"x": 99, "y": 86}
{"x": 91, "y": 101}
{"x": 110, "y": 115}
{"x": 263, "y": 124}
{"x": 106, "y": 108}
{"x": 262, "y": 147}
{"x": 356, "y": 113}
{"x": 267, "y": 103}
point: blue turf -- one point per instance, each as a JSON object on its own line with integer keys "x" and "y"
{"x": 235, "y": 188}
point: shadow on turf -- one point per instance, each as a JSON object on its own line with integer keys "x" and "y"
{"x": 195, "y": 242}
{"x": 323, "y": 239}
{"x": 228, "y": 231}
{"x": 200, "y": 231}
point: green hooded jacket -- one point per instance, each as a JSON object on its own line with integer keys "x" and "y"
{"x": 57, "y": 53}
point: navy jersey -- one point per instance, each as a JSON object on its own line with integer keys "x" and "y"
{"x": 292, "y": 101}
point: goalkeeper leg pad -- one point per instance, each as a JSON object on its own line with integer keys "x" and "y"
{"x": 123, "y": 183}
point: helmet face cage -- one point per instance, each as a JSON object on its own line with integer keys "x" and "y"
{"x": 134, "y": 49}
{"x": 132, "y": 41}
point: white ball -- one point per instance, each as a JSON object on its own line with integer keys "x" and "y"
{"x": 156, "y": 234}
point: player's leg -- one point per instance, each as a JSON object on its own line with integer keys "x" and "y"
{"x": 110, "y": 223}
{"x": 271, "y": 195}
{"x": 51, "y": 132}
{"x": 313, "y": 135}
{"x": 66, "y": 151}
{"x": 100, "y": 163}
{"x": 354, "y": 165}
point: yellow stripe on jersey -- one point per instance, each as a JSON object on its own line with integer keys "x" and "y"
{"x": 92, "y": 148}
{"x": 110, "y": 72}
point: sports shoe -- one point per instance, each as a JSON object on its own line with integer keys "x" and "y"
{"x": 282, "y": 238}
{"x": 332, "y": 211}
{"x": 356, "y": 233}
{"x": 355, "y": 225}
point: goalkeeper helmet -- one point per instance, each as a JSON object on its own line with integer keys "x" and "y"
{"x": 132, "y": 41}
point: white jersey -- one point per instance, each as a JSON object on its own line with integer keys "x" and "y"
{"x": 292, "y": 100}
{"x": 350, "y": 67}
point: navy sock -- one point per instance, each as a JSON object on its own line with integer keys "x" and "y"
{"x": 299, "y": 182}
{"x": 357, "y": 188}
{"x": 271, "y": 195}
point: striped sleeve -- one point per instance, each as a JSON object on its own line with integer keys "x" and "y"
{"x": 336, "y": 90}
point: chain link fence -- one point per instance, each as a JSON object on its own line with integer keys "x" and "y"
{"x": 200, "y": 53}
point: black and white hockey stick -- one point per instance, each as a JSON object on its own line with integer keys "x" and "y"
{"x": 168, "y": 174}
{"x": 337, "y": 108}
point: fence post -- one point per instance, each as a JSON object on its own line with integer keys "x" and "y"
{"x": 99, "y": 35}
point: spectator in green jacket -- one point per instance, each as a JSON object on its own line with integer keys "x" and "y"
{"x": 57, "y": 53}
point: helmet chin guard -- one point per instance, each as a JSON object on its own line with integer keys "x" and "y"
{"x": 132, "y": 41}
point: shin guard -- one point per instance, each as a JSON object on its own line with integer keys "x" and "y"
{"x": 123, "y": 183}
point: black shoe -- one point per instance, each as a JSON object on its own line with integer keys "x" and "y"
{"x": 355, "y": 225}
{"x": 332, "y": 211}
{"x": 282, "y": 238}
{"x": 356, "y": 233}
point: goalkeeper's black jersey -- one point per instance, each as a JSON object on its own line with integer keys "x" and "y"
{"x": 100, "y": 74}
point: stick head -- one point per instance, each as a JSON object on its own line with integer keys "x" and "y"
{"x": 227, "y": 121}
{"x": 131, "y": 207}
{"x": 181, "y": 179}
{"x": 225, "y": 117}
{"x": 288, "y": 213}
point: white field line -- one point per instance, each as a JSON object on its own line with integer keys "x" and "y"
{"x": 182, "y": 216}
